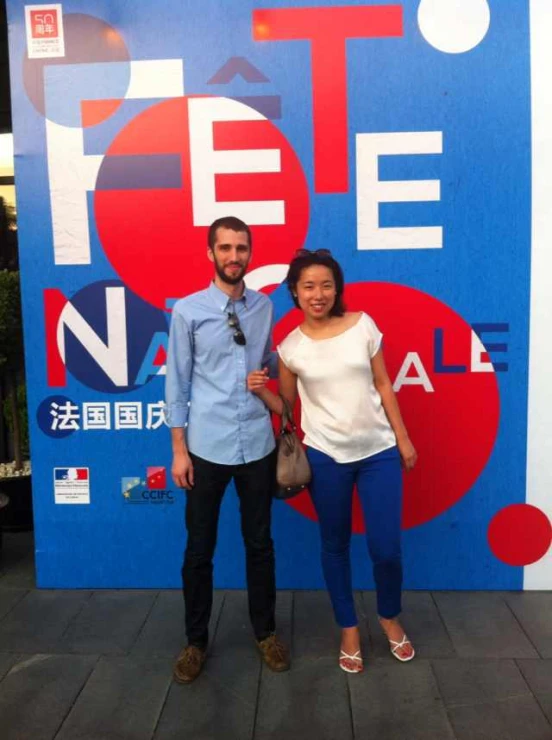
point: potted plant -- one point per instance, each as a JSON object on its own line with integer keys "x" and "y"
{"x": 15, "y": 477}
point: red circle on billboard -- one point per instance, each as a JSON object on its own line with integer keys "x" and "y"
{"x": 520, "y": 534}
{"x": 451, "y": 409}
{"x": 146, "y": 213}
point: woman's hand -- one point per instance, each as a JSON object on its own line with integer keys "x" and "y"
{"x": 257, "y": 380}
{"x": 408, "y": 453}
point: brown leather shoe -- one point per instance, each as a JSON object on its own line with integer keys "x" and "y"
{"x": 189, "y": 664}
{"x": 275, "y": 654}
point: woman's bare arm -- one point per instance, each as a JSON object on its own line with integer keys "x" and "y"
{"x": 392, "y": 410}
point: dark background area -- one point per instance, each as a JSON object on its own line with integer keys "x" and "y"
{"x": 5, "y": 109}
{"x": 8, "y": 237}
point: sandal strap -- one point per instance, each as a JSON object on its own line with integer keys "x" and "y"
{"x": 398, "y": 645}
{"x": 343, "y": 654}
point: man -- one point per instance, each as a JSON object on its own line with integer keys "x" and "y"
{"x": 220, "y": 431}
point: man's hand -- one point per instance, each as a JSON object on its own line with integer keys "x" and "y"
{"x": 183, "y": 470}
{"x": 257, "y": 380}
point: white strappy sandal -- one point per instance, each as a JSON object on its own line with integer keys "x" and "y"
{"x": 395, "y": 646}
{"x": 357, "y": 661}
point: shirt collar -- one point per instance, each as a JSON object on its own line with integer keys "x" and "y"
{"x": 223, "y": 301}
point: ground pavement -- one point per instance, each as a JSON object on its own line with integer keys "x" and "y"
{"x": 97, "y": 665}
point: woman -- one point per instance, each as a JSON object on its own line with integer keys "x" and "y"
{"x": 354, "y": 434}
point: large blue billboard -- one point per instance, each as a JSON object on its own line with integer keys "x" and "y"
{"x": 399, "y": 136}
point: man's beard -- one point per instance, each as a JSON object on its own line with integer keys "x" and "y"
{"x": 229, "y": 280}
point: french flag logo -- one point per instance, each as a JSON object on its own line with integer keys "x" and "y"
{"x": 71, "y": 473}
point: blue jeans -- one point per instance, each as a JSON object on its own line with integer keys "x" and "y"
{"x": 379, "y": 483}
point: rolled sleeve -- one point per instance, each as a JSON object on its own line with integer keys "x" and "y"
{"x": 272, "y": 363}
{"x": 179, "y": 371}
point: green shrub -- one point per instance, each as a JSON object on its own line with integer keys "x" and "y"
{"x": 12, "y": 362}
{"x": 23, "y": 418}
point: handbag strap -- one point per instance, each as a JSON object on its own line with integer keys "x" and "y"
{"x": 287, "y": 416}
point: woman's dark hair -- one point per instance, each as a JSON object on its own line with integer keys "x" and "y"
{"x": 305, "y": 258}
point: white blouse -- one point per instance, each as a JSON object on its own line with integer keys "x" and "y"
{"x": 341, "y": 410}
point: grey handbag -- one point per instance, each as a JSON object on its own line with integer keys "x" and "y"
{"x": 293, "y": 472}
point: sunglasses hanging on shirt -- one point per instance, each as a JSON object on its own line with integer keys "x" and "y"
{"x": 238, "y": 336}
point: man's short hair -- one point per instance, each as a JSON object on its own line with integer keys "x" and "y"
{"x": 227, "y": 222}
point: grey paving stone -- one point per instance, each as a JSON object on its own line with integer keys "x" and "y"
{"x": 38, "y": 692}
{"x": 309, "y": 701}
{"x": 221, "y": 703}
{"x": 312, "y": 699}
{"x": 163, "y": 634}
{"x": 315, "y": 633}
{"x": 538, "y": 674}
{"x": 233, "y": 629}
{"x": 534, "y": 612}
{"x": 108, "y": 623}
{"x": 122, "y": 698}
{"x": 9, "y": 598}
{"x": 37, "y": 622}
{"x": 395, "y": 701}
{"x": 421, "y": 621}
{"x": 474, "y": 681}
{"x": 517, "y": 718}
{"x": 7, "y": 660}
{"x": 481, "y": 625}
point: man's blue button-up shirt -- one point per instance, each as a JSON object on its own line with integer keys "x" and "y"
{"x": 206, "y": 383}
